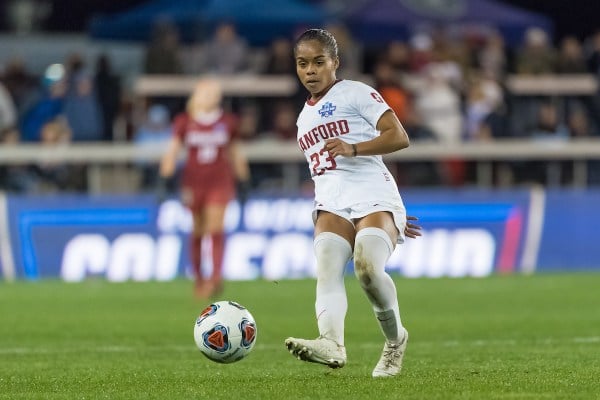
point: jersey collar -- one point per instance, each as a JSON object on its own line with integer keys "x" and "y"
{"x": 312, "y": 103}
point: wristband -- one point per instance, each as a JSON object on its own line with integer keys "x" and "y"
{"x": 354, "y": 151}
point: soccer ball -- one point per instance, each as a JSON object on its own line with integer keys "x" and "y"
{"x": 225, "y": 332}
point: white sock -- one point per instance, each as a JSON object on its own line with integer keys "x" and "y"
{"x": 333, "y": 253}
{"x": 372, "y": 249}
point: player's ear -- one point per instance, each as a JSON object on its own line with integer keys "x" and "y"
{"x": 336, "y": 63}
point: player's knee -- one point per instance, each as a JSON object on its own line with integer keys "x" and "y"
{"x": 363, "y": 267}
{"x": 363, "y": 271}
{"x": 332, "y": 252}
{"x": 372, "y": 248}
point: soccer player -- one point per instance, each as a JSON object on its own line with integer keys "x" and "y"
{"x": 213, "y": 166}
{"x": 343, "y": 129}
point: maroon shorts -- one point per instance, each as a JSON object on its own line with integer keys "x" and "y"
{"x": 197, "y": 198}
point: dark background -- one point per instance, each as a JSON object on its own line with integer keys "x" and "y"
{"x": 576, "y": 17}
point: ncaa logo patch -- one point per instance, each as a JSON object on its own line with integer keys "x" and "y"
{"x": 327, "y": 110}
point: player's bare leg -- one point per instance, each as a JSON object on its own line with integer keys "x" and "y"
{"x": 215, "y": 228}
{"x": 196, "y": 253}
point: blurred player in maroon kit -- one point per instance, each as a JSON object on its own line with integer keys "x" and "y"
{"x": 214, "y": 165}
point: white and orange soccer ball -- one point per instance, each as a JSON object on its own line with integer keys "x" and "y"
{"x": 225, "y": 332}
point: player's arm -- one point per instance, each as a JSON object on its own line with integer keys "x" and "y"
{"x": 168, "y": 161}
{"x": 241, "y": 169}
{"x": 239, "y": 161}
{"x": 392, "y": 138}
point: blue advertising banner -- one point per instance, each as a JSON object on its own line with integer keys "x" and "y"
{"x": 466, "y": 233}
{"x": 570, "y": 232}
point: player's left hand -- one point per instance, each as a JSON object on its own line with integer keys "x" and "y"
{"x": 412, "y": 230}
{"x": 337, "y": 147}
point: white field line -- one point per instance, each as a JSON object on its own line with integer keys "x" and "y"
{"x": 180, "y": 348}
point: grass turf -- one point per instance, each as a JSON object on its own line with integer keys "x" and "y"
{"x": 516, "y": 337}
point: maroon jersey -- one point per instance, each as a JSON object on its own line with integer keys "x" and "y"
{"x": 208, "y": 171}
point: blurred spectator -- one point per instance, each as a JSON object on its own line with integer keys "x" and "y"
{"x": 536, "y": 56}
{"x": 283, "y": 124}
{"x": 21, "y": 84}
{"x": 48, "y": 106}
{"x": 483, "y": 97}
{"x": 55, "y": 176}
{"x": 421, "y": 52}
{"x": 496, "y": 125}
{"x": 571, "y": 59}
{"x": 155, "y": 132}
{"x": 280, "y": 58}
{"x": 8, "y": 112}
{"x": 417, "y": 173}
{"x": 27, "y": 16}
{"x": 580, "y": 128}
{"x": 162, "y": 54}
{"x": 397, "y": 54}
{"x": 549, "y": 126}
{"x": 226, "y": 52}
{"x": 579, "y": 124}
{"x": 440, "y": 106}
{"x": 549, "y": 130}
{"x": 15, "y": 178}
{"x": 593, "y": 54}
{"x": 81, "y": 106}
{"x": 249, "y": 120}
{"x": 388, "y": 85}
{"x": 108, "y": 92}
{"x": 452, "y": 56}
{"x": 492, "y": 58}
{"x": 350, "y": 51}
{"x": 280, "y": 61}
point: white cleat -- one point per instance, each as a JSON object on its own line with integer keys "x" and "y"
{"x": 321, "y": 350}
{"x": 390, "y": 362}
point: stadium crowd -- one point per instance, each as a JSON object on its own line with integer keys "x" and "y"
{"x": 443, "y": 87}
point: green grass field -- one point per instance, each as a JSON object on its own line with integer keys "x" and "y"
{"x": 513, "y": 337}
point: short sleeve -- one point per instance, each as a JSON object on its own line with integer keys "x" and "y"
{"x": 179, "y": 126}
{"x": 368, "y": 103}
{"x": 233, "y": 125}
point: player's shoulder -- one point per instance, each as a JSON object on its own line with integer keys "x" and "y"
{"x": 181, "y": 118}
{"x": 355, "y": 85}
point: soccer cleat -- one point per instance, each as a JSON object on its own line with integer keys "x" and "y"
{"x": 390, "y": 362}
{"x": 321, "y": 350}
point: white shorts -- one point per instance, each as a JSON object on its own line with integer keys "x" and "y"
{"x": 360, "y": 210}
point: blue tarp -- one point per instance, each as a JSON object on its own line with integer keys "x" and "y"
{"x": 257, "y": 20}
{"x": 379, "y": 21}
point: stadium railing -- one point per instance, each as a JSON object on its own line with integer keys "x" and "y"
{"x": 99, "y": 156}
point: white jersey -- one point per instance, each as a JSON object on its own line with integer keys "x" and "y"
{"x": 350, "y": 110}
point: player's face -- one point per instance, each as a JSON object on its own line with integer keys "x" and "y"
{"x": 315, "y": 67}
{"x": 207, "y": 96}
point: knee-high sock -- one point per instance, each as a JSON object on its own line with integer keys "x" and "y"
{"x": 218, "y": 250}
{"x": 333, "y": 253}
{"x": 196, "y": 255}
{"x": 372, "y": 249}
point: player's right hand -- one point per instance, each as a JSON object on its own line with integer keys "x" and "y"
{"x": 337, "y": 147}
